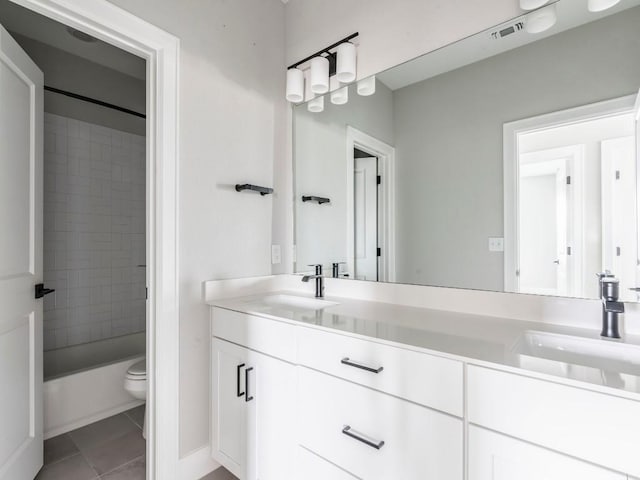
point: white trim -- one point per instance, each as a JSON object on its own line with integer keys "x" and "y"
{"x": 387, "y": 166}
{"x": 160, "y": 49}
{"x": 511, "y": 132}
{"x": 197, "y": 464}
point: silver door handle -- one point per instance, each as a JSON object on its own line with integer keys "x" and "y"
{"x": 557, "y": 262}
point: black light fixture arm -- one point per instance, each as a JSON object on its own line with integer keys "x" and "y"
{"x": 326, "y": 50}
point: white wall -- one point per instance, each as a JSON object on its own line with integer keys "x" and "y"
{"x": 233, "y": 127}
{"x": 320, "y": 141}
{"x": 94, "y": 232}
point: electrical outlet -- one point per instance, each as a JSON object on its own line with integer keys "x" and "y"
{"x": 496, "y": 244}
{"x": 276, "y": 256}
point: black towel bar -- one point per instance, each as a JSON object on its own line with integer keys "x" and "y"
{"x": 320, "y": 200}
{"x": 261, "y": 190}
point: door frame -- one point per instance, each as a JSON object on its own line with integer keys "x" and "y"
{"x": 386, "y": 155}
{"x": 114, "y": 25}
{"x": 511, "y": 171}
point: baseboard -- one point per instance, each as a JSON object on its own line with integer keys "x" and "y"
{"x": 197, "y": 464}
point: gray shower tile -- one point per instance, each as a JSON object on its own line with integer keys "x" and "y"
{"x": 72, "y": 468}
{"x": 58, "y": 448}
{"x": 102, "y": 432}
{"x": 116, "y": 452}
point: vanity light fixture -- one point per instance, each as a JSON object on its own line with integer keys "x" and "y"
{"x": 316, "y": 105}
{"x": 532, "y": 4}
{"x": 346, "y": 62}
{"x": 338, "y": 59}
{"x": 295, "y": 85}
{"x": 541, "y": 20}
{"x": 367, "y": 86}
{"x": 601, "y": 5}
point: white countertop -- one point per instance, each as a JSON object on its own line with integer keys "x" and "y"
{"x": 489, "y": 341}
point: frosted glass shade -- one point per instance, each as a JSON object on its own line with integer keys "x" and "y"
{"x": 541, "y": 20}
{"x": 532, "y": 4}
{"x": 316, "y": 105}
{"x": 340, "y": 96}
{"x": 295, "y": 85}
{"x": 319, "y": 75}
{"x": 600, "y": 5}
{"x": 367, "y": 86}
{"x": 346, "y": 63}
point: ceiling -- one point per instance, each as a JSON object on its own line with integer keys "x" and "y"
{"x": 22, "y": 21}
{"x": 478, "y": 47}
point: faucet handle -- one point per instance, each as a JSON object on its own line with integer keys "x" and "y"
{"x": 605, "y": 274}
{"x": 318, "y": 267}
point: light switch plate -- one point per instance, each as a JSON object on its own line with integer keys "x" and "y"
{"x": 496, "y": 244}
{"x": 276, "y": 256}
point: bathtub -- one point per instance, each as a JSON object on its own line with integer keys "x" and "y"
{"x": 84, "y": 383}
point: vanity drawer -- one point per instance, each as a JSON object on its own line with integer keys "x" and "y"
{"x": 432, "y": 381}
{"x": 344, "y": 423}
{"x": 596, "y": 427}
{"x": 272, "y": 337}
{"x": 310, "y": 466}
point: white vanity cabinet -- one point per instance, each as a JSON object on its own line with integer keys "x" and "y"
{"x": 493, "y": 456}
{"x": 253, "y": 412}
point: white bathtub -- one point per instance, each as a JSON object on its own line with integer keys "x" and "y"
{"x": 84, "y": 383}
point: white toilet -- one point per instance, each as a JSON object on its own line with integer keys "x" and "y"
{"x": 135, "y": 382}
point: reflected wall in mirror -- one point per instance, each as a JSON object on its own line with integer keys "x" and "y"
{"x": 504, "y": 163}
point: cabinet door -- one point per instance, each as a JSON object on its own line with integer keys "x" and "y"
{"x": 497, "y": 457}
{"x": 229, "y": 411}
{"x": 272, "y": 384}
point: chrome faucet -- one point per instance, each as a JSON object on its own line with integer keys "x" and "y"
{"x": 319, "y": 280}
{"x": 611, "y": 307}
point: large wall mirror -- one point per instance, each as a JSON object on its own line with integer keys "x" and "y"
{"x": 507, "y": 161}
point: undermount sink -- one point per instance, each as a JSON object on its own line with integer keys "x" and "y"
{"x": 292, "y": 303}
{"x": 604, "y": 355}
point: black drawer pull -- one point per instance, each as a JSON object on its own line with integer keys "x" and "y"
{"x": 247, "y": 398}
{"x": 350, "y": 433}
{"x": 346, "y": 361}
{"x": 238, "y": 368}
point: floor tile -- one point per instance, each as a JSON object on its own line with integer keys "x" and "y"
{"x": 219, "y": 474}
{"x": 135, "y": 470}
{"x": 72, "y": 468}
{"x": 136, "y": 415}
{"x": 102, "y": 432}
{"x": 58, "y": 448}
{"x": 116, "y": 452}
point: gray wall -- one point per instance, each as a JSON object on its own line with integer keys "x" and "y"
{"x": 75, "y": 74}
{"x": 448, "y": 133}
{"x": 321, "y": 168}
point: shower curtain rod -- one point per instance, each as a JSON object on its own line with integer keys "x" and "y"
{"x": 93, "y": 100}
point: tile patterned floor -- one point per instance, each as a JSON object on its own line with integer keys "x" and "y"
{"x": 111, "y": 449}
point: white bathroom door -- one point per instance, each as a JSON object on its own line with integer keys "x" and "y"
{"x": 21, "y": 117}
{"x": 365, "y": 178}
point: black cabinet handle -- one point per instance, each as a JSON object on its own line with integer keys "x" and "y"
{"x": 238, "y": 368}
{"x": 346, "y": 361}
{"x": 247, "y": 397}
{"x": 350, "y": 433}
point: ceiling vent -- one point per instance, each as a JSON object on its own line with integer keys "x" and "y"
{"x": 78, "y": 35}
{"x": 507, "y": 29}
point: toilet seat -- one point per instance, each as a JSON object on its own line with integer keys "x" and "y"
{"x": 137, "y": 371}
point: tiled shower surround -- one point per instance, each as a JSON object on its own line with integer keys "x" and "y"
{"x": 94, "y": 232}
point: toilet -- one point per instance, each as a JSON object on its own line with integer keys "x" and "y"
{"x": 135, "y": 382}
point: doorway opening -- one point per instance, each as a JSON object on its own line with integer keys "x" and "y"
{"x": 22, "y": 231}
{"x": 574, "y": 210}
{"x": 370, "y": 206}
